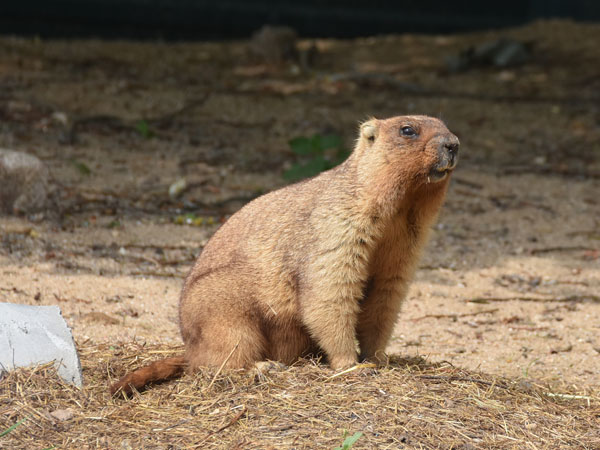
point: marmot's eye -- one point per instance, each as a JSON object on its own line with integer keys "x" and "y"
{"x": 408, "y": 131}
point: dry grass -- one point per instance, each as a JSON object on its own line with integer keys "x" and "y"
{"x": 408, "y": 404}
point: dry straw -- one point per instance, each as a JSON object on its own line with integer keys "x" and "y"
{"x": 408, "y": 404}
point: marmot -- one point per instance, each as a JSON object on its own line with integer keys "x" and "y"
{"x": 318, "y": 265}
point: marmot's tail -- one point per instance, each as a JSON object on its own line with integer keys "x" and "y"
{"x": 162, "y": 370}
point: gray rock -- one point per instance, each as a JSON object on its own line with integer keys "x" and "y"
{"x": 275, "y": 44}
{"x": 24, "y": 181}
{"x": 32, "y": 335}
{"x": 501, "y": 53}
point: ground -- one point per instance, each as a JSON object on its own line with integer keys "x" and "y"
{"x": 510, "y": 281}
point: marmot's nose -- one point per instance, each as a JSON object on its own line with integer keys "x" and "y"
{"x": 448, "y": 150}
{"x": 451, "y": 147}
{"x": 450, "y": 144}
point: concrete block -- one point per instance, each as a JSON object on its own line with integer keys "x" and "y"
{"x": 31, "y": 335}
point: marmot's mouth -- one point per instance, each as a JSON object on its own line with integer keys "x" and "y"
{"x": 437, "y": 174}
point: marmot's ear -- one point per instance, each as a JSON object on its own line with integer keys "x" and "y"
{"x": 369, "y": 130}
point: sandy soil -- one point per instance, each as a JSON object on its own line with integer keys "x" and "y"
{"x": 510, "y": 282}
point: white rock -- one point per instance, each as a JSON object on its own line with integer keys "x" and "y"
{"x": 32, "y": 335}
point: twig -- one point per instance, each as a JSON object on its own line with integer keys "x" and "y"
{"x": 353, "y": 368}
{"x": 526, "y": 328}
{"x": 276, "y": 428}
{"x": 235, "y": 418}
{"x": 570, "y": 397}
{"x": 369, "y": 79}
{"x": 453, "y": 316}
{"x": 156, "y": 274}
{"x": 166, "y": 119}
{"x": 144, "y": 258}
{"x": 142, "y": 246}
{"x": 573, "y": 248}
{"x": 223, "y": 364}
{"x": 472, "y": 380}
{"x": 442, "y": 266}
{"x": 181, "y": 422}
{"x": 570, "y": 299}
{"x": 238, "y": 124}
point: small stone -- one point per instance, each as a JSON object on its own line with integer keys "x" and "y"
{"x": 25, "y": 183}
{"x": 274, "y": 45}
{"x": 525, "y": 386}
{"x": 97, "y": 316}
{"x": 60, "y": 118}
{"x": 114, "y": 299}
{"x": 506, "y": 76}
{"x": 269, "y": 366}
{"x": 177, "y": 188}
{"x": 62, "y": 414}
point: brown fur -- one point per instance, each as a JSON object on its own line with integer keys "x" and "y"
{"x": 322, "y": 263}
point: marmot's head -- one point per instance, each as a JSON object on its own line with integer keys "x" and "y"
{"x": 417, "y": 149}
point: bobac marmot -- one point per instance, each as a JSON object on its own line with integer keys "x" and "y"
{"x": 318, "y": 265}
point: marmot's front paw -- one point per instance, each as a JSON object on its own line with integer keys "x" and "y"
{"x": 342, "y": 362}
{"x": 380, "y": 358}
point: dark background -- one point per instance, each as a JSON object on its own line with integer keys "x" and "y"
{"x": 230, "y": 19}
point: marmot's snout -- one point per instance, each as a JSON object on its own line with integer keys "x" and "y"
{"x": 447, "y": 157}
{"x": 449, "y": 151}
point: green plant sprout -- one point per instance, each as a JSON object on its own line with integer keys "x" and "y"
{"x": 349, "y": 441}
{"x": 11, "y": 428}
{"x": 317, "y": 153}
{"x": 143, "y": 128}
